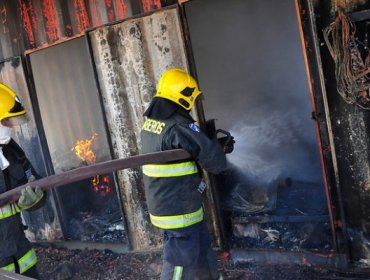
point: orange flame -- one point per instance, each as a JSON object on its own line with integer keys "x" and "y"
{"x": 101, "y": 184}
{"x": 83, "y": 150}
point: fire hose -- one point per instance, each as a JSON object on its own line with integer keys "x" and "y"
{"x": 85, "y": 172}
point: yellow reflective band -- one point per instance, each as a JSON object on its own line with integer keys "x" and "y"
{"x": 170, "y": 170}
{"x": 178, "y": 221}
{"x": 10, "y": 267}
{"x": 8, "y": 210}
{"x": 27, "y": 261}
{"x": 177, "y": 273}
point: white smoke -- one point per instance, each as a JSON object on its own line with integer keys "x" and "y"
{"x": 276, "y": 147}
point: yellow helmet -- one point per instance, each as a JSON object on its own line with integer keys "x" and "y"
{"x": 10, "y": 105}
{"x": 179, "y": 87}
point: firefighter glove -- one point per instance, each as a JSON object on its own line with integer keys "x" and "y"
{"x": 227, "y": 143}
{"x": 30, "y": 197}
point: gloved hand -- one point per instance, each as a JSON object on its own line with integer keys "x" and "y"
{"x": 30, "y": 197}
{"x": 227, "y": 143}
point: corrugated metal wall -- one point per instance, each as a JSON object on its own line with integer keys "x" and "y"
{"x": 149, "y": 5}
{"x": 130, "y": 57}
{"x": 30, "y": 24}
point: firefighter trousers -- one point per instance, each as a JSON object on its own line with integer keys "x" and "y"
{"x": 16, "y": 252}
{"x": 188, "y": 254}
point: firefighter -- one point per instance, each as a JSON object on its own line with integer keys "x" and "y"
{"x": 16, "y": 252}
{"x": 174, "y": 190}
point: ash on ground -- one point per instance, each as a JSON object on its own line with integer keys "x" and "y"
{"x": 62, "y": 264}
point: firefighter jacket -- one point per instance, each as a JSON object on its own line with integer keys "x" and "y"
{"x": 12, "y": 240}
{"x": 171, "y": 189}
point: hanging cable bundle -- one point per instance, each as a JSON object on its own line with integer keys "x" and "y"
{"x": 350, "y": 69}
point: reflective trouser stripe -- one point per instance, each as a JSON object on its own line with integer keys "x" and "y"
{"x": 177, "y": 273}
{"x": 9, "y": 210}
{"x": 27, "y": 261}
{"x": 10, "y": 267}
{"x": 178, "y": 221}
{"x": 170, "y": 170}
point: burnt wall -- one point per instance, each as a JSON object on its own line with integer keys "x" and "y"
{"x": 30, "y": 24}
{"x": 129, "y": 58}
{"x": 349, "y": 131}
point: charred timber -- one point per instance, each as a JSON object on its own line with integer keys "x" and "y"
{"x": 281, "y": 219}
{"x": 330, "y": 260}
{"x": 85, "y": 172}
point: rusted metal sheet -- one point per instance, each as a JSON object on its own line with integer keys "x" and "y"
{"x": 130, "y": 58}
{"x": 349, "y": 132}
{"x": 10, "y": 31}
{"x": 30, "y": 24}
{"x": 150, "y": 5}
{"x": 43, "y": 224}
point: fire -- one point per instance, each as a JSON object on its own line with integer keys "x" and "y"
{"x": 101, "y": 184}
{"x": 83, "y": 150}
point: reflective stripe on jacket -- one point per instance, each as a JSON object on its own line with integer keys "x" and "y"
{"x": 27, "y": 261}
{"x": 177, "y": 221}
{"x": 171, "y": 189}
{"x": 9, "y": 210}
{"x": 13, "y": 242}
{"x": 170, "y": 170}
{"x": 9, "y": 267}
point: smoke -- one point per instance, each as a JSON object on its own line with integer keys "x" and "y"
{"x": 251, "y": 70}
{"x": 277, "y": 147}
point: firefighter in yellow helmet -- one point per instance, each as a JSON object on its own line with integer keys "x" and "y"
{"x": 16, "y": 252}
{"x": 174, "y": 190}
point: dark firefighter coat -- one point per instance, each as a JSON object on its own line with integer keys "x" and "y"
{"x": 13, "y": 243}
{"x": 171, "y": 189}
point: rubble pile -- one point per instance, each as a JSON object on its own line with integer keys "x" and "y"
{"x": 62, "y": 264}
